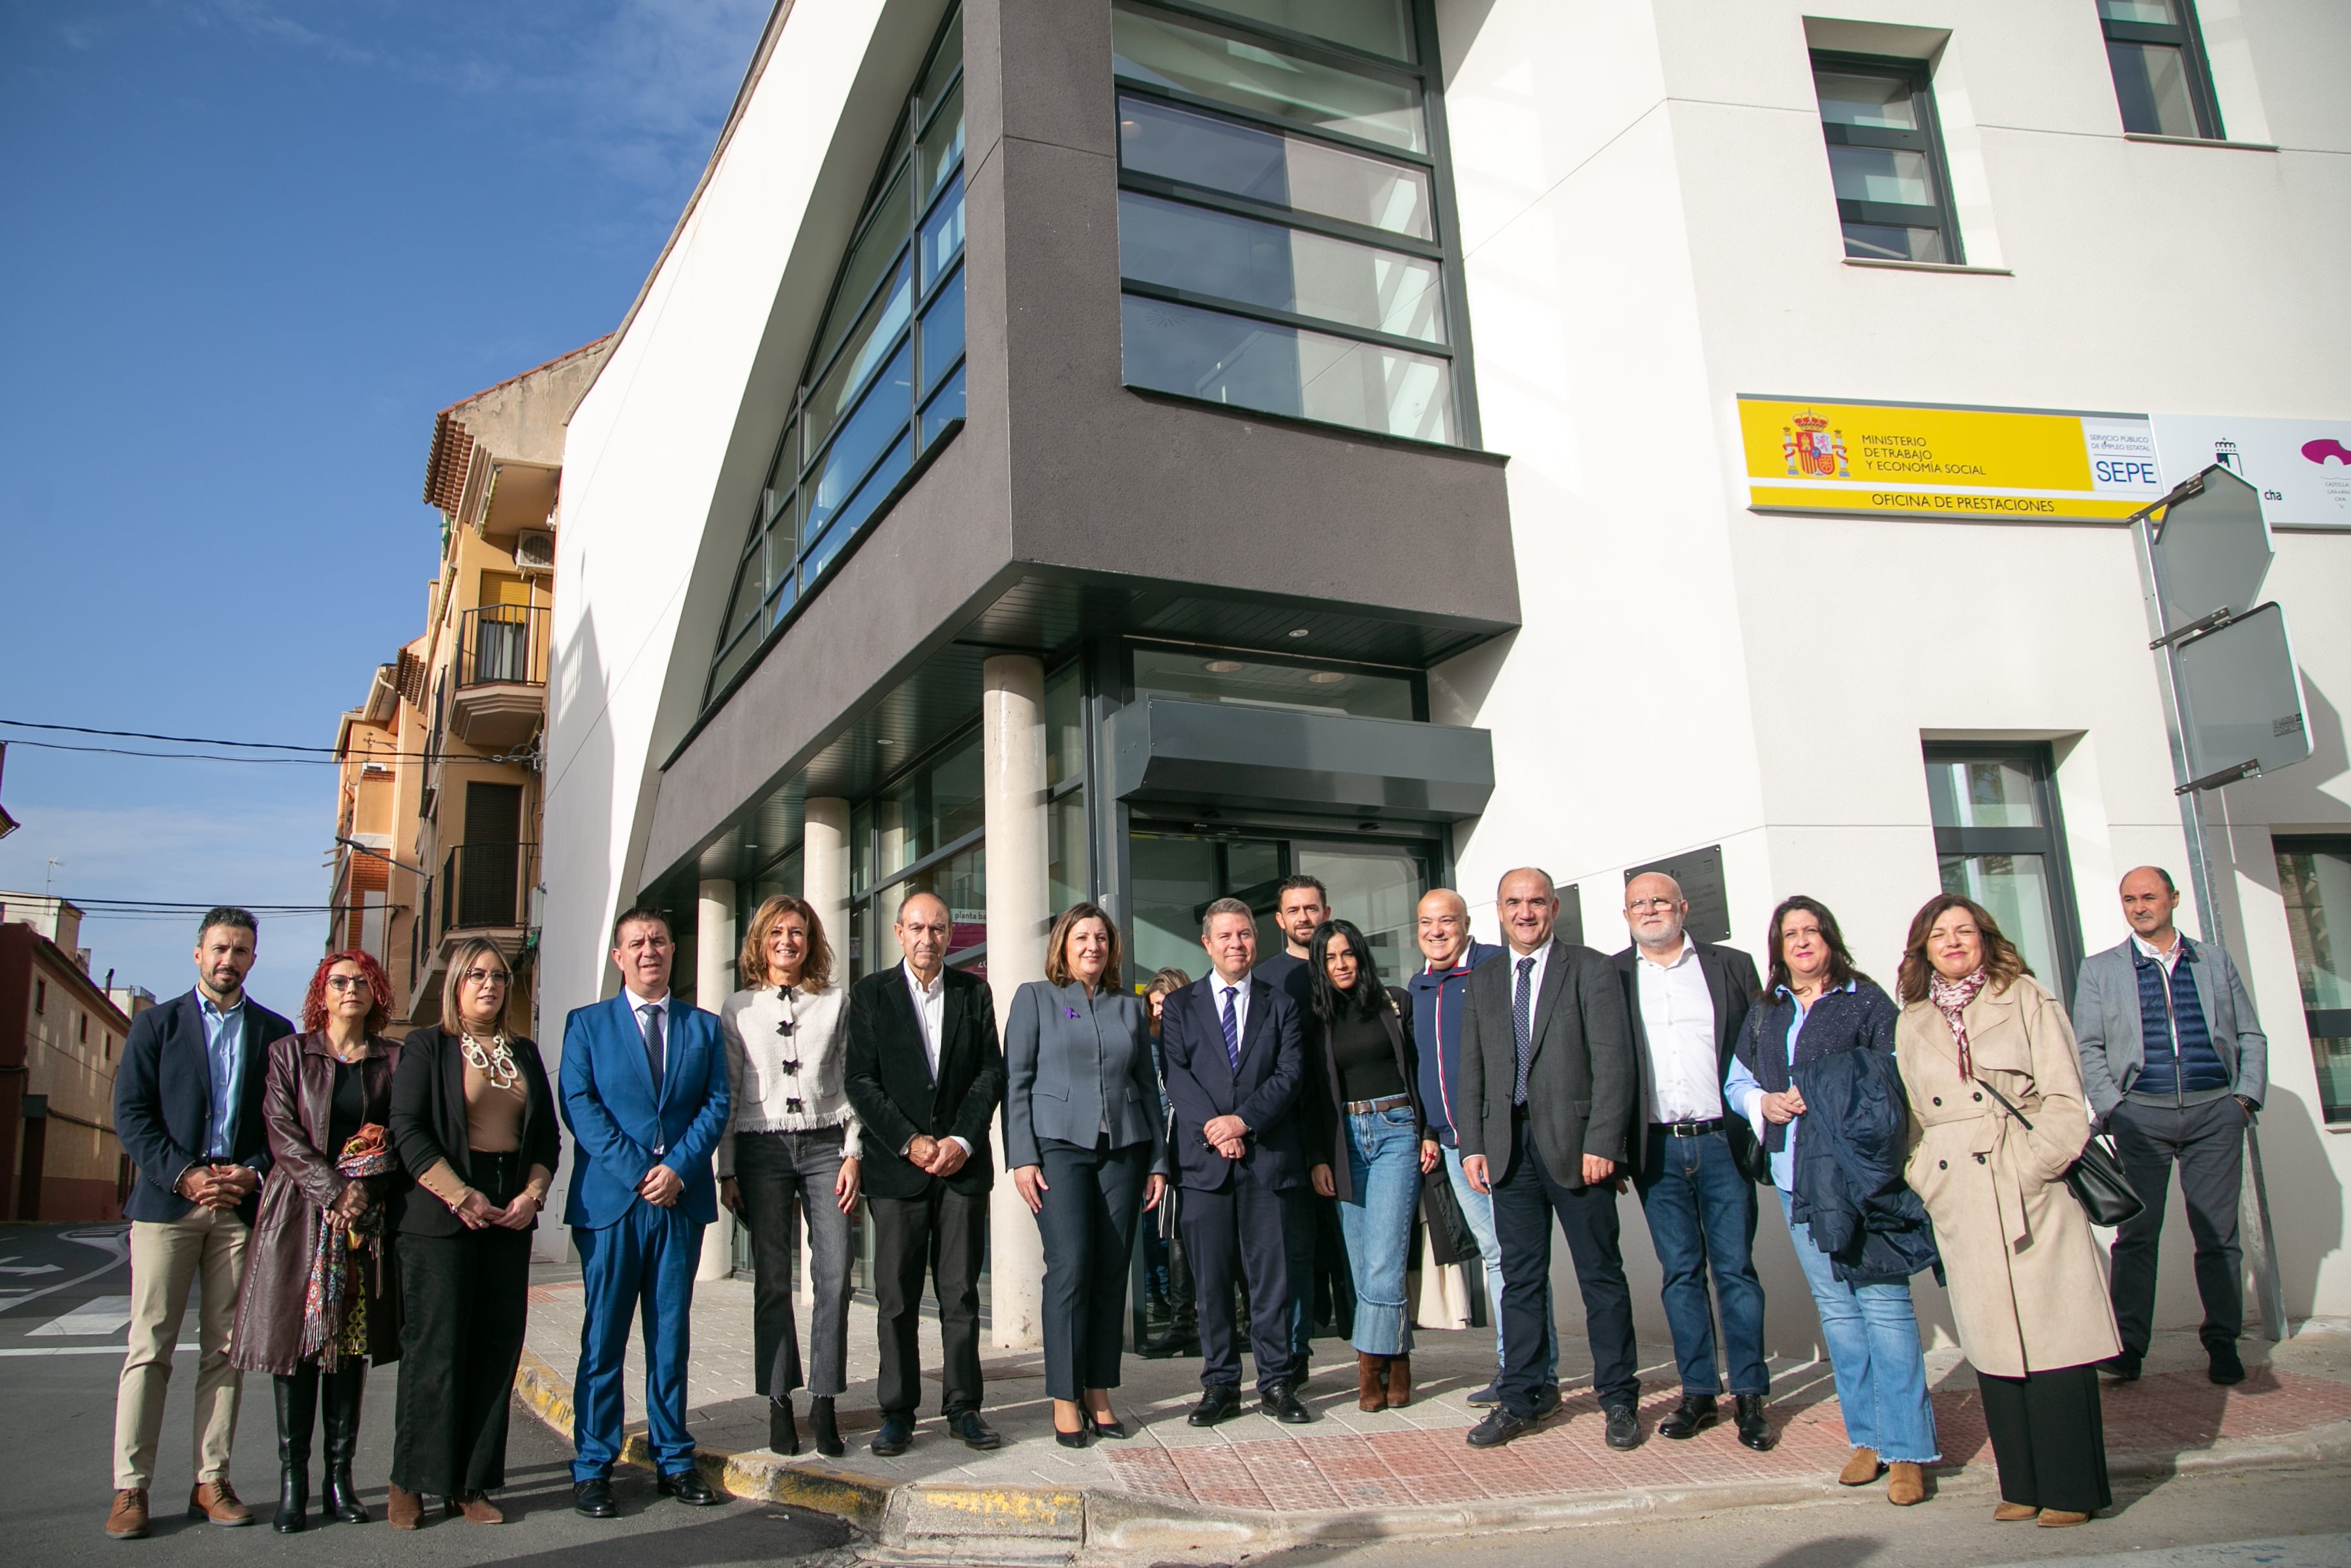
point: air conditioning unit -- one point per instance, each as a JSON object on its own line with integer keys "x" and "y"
{"x": 534, "y": 550}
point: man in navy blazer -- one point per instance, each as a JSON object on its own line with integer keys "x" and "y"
{"x": 187, "y": 1107}
{"x": 1235, "y": 1058}
{"x": 645, "y": 1092}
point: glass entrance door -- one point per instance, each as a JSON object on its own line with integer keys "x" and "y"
{"x": 1175, "y": 875}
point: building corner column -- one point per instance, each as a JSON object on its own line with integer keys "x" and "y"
{"x": 1012, "y": 753}
{"x": 824, "y": 885}
{"x": 713, "y": 979}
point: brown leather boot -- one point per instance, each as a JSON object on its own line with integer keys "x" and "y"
{"x": 1860, "y": 1469}
{"x": 1905, "y": 1484}
{"x": 215, "y": 1502}
{"x": 1371, "y": 1382}
{"x": 480, "y": 1509}
{"x": 2013, "y": 1513}
{"x": 403, "y": 1509}
{"x": 2059, "y": 1518}
{"x": 1399, "y": 1382}
{"x": 126, "y": 1519}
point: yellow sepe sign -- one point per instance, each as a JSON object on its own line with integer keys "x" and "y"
{"x": 1916, "y": 460}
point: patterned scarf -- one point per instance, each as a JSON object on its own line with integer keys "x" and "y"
{"x": 1952, "y": 999}
{"x": 334, "y": 1303}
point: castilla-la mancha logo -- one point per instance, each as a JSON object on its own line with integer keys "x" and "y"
{"x": 1814, "y": 450}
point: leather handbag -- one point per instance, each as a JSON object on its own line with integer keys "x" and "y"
{"x": 2095, "y": 1175}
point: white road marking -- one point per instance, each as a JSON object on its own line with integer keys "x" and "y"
{"x": 100, "y": 1315}
{"x": 79, "y": 1350}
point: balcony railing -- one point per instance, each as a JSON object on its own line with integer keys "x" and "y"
{"x": 502, "y": 645}
{"x": 486, "y": 886}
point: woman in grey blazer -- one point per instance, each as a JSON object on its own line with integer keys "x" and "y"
{"x": 1084, "y": 1138}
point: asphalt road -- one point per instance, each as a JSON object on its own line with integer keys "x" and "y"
{"x": 57, "y": 1441}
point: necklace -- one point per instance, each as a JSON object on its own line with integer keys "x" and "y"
{"x": 493, "y": 1061}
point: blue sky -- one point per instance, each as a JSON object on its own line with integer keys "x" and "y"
{"x": 250, "y": 250}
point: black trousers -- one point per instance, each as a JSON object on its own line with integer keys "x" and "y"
{"x": 1092, "y": 1198}
{"x": 2207, "y": 1143}
{"x": 945, "y": 1231}
{"x": 2049, "y": 1438}
{"x": 1524, "y": 1204}
{"x": 1243, "y": 1233}
{"x": 463, "y": 1315}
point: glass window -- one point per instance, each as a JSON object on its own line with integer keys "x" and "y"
{"x": 1264, "y": 79}
{"x": 1209, "y": 675}
{"x": 1065, "y": 736}
{"x": 1065, "y": 851}
{"x": 928, "y": 809}
{"x": 2314, "y": 875}
{"x": 943, "y": 233}
{"x": 1284, "y": 369}
{"x": 945, "y": 409}
{"x": 1885, "y": 159}
{"x": 875, "y": 335}
{"x": 943, "y": 333}
{"x": 1998, "y": 839}
{"x": 2163, "y": 82}
{"x": 1262, "y": 165}
{"x": 1376, "y": 27}
{"x": 1202, "y": 251}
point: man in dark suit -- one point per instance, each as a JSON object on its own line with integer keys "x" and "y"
{"x": 1234, "y": 1058}
{"x": 1695, "y": 1171}
{"x": 925, "y": 1073}
{"x": 1548, "y": 1092}
{"x": 644, "y": 1090}
{"x": 187, "y": 1107}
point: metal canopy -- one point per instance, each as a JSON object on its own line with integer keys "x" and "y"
{"x": 1161, "y": 748}
{"x": 2241, "y": 699}
{"x": 2211, "y": 549}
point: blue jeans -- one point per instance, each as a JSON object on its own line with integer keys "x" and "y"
{"x": 1701, "y": 1215}
{"x": 1478, "y": 1209}
{"x": 1383, "y": 1163}
{"x": 1872, "y": 1332}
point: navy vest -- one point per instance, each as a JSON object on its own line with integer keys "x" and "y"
{"x": 2195, "y": 1067}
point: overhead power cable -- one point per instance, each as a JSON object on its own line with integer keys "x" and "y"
{"x": 312, "y": 756}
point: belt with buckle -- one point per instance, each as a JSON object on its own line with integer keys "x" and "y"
{"x": 1367, "y": 1107}
{"x": 1688, "y": 1129}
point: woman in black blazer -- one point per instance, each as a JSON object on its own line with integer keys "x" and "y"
{"x": 1087, "y": 1146}
{"x": 1370, "y": 1145}
{"x": 474, "y": 1120}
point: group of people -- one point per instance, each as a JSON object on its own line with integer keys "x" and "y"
{"x": 345, "y": 1200}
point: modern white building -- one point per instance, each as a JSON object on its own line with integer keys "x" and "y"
{"x": 1144, "y": 448}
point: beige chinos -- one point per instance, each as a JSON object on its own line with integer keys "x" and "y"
{"x": 203, "y": 1249}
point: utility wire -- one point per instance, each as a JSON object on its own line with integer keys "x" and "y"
{"x": 182, "y": 739}
{"x": 176, "y": 755}
{"x": 321, "y": 756}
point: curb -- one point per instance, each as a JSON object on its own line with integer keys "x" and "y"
{"x": 934, "y": 1522}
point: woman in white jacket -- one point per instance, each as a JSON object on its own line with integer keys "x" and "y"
{"x": 793, "y": 1143}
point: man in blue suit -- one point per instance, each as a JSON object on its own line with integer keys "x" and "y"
{"x": 645, "y": 1093}
{"x": 1235, "y": 1059}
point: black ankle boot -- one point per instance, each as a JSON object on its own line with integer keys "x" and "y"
{"x": 783, "y": 1432}
{"x": 298, "y": 1411}
{"x": 828, "y": 1431}
{"x": 338, "y": 1499}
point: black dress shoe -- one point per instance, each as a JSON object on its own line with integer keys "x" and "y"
{"x": 1753, "y": 1431}
{"x": 1547, "y": 1400}
{"x": 1169, "y": 1346}
{"x": 896, "y": 1432}
{"x": 1489, "y": 1394}
{"x": 1077, "y": 1439}
{"x": 2227, "y": 1367}
{"x": 1499, "y": 1427}
{"x": 1113, "y": 1428}
{"x": 1694, "y": 1415}
{"x": 2123, "y": 1368}
{"x": 975, "y": 1432}
{"x": 1280, "y": 1402}
{"x": 594, "y": 1499}
{"x": 783, "y": 1432}
{"x": 1215, "y": 1405}
{"x": 1624, "y": 1426}
{"x": 690, "y": 1488}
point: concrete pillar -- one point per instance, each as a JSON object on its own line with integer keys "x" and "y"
{"x": 1012, "y": 761}
{"x": 824, "y": 884}
{"x": 714, "y": 980}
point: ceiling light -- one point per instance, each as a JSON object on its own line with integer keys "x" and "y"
{"x": 1223, "y": 667}
{"x": 1324, "y": 678}
{"x": 1298, "y": 632}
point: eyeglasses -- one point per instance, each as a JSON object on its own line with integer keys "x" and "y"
{"x": 348, "y": 983}
{"x": 483, "y": 977}
{"x": 1642, "y": 906}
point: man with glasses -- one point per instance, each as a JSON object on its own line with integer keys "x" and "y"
{"x": 645, "y": 1092}
{"x": 1695, "y": 1169}
{"x": 187, "y": 1107}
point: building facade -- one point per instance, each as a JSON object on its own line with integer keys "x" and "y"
{"x": 61, "y": 1036}
{"x": 1142, "y": 449}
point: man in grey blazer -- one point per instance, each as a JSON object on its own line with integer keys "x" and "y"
{"x": 1550, "y": 1087}
{"x": 2174, "y": 1064}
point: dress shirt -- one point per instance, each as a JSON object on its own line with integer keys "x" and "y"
{"x": 1542, "y": 956}
{"x": 931, "y": 1013}
{"x": 1217, "y": 984}
{"x": 2170, "y": 960}
{"x": 1678, "y": 1019}
{"x": 637, "y": 1006}
{"x": 224, "y": 1055}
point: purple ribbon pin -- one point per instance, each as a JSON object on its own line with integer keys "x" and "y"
{"x": 1072, "y": 1012}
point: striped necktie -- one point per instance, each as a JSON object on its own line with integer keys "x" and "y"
{"x": 1523, "y": 1025}
{"x": 1232, "y": 1032}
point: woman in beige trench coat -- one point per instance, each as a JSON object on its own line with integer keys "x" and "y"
{"x": 2028, "y": 1286}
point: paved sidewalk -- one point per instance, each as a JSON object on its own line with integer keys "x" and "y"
{"x": 1251, "y": 1482}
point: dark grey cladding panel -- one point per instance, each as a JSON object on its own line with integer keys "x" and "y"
{"x": 1217, "y": 753}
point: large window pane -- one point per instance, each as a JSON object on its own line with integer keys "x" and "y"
{"x": 1267, "y": 81}
{"x": 884, "y": 233}
{"x": 1202, "y": 251}
{"x": 1268, "y": 166}
{"x": 2316, "y": 879}
{"x": 1065, "y": 852}
{"x": 1886, "y": 242}
{"x": 1376, "y": 27}
{"x": 1881, "y": 102}
{"x": 944, "y": 408}
{"x": 1065, "y": 745}
{"x": 1991, "y": 793}
{"x": 868, "y": 432}
{"x": 875, "y": 336}
{"x": 1377, "y": 886}
{"x": 1208, "y": 675}
{"x": 1882, "y": 174}
{"x": 2015, "y": 889}
{"x": 2162, "y": 13}
{"x": 930, "y": 809}
{"x": 2151, "y": 86}
{"x": 1282, "y": 369}
{"x": 860, "y": 506}
{"x": 943, "y": 65}
{"x": 943, "y": 333}
{"x": 942, "y": 235}
{"x": 942, "y": 143}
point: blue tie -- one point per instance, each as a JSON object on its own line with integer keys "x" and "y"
{"x": 1523, "y": 1025}
{"x": 1232, "y": 1033}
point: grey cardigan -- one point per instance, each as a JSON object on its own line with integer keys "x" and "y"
{"x": 2106, "y": 1023}
{"x": 1076, "y": 1064}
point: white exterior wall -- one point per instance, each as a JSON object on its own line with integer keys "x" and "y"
{"x": 1650, "y": 231}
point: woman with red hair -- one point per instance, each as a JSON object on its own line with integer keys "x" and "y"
{"x": 322, "y": 1297}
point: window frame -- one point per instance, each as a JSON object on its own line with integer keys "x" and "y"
{"x": 2318, "y": 1023}
{"x": 2187, "y": 37}
{"x": 1416, "y": 679}
{"x": 1927, "y": 140}
{"x": 2048, "y": 840}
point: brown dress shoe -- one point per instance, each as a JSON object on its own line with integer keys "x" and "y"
{"x": 126, "y": 1519}
{"x": 1905, "y": 1484}
{"x": 1371, "y": 1382}
{"x": 403, "y": 1509}
{"x": 480, "y": 1509}
{"x": 2058, "y": 1518}
{"x": 215, "y": 1502}
{"x": 1861, "y": 1469}
{"x": 1399, "y": 1382}
{"x": 2014, "y": 1512}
